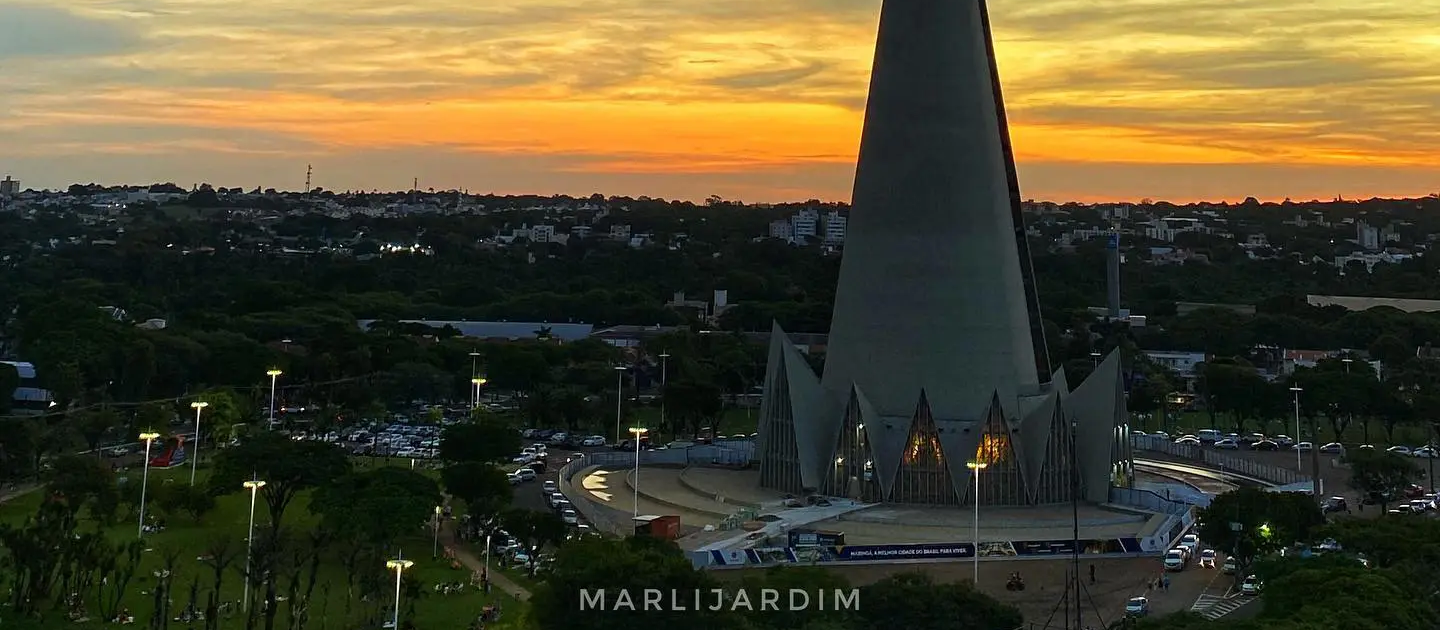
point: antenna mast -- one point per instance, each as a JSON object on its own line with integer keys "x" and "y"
{"x": 308, "y": 172}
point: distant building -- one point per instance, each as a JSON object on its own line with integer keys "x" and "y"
{"x": 9, "y": 187}
{"x": 805, "y": 224}
{"x": 1356, "y": 303}
{"x": 835, "y": 227}
{"x": 1367, "y": 236}
{"x": 28, "y": 398}
{"x": 782, "y": 228}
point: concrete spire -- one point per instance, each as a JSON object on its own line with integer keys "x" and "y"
{"x": 932, "y": 293}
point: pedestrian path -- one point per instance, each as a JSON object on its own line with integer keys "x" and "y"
{"x": 465, "y": 557}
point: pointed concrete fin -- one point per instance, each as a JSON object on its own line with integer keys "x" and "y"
{"x": 1036, "y": 432}
{"x": 815, "y": 420}
{"x": 773, "y": 368}
{"x": 873, "y": 438}
{"x": 960, "y": 439}
{"x": 924, "y": 474}
{"x": 1096, "y": 407}
{"x": 1059, "y": 383}
{"x": 887, "y": 440}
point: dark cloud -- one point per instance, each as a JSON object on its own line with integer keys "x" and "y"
{"x": 39, "y": 31}
{"x": 770, "y": 78}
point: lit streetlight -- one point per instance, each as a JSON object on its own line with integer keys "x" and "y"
{"x": 486, "y": 574}
{"x": 273, "y": 374}
{"x": 1314, "y": 438}
{"x": 398, "y": 565}
{"x": 254, "y": 486}
{"x": 638, "y": 432}
{"x": 619, "y": 393}
{"x": 435, "y": 547}
{"x": 664, "y": 372}
{"x": 475, "y": 385}
{"x": 474, "y": 374}
{"x": 1094, "y": 359}
{"x": 195, "y": 456}
{"x": 975, "y": 468}
{"x": 148, "y": 438}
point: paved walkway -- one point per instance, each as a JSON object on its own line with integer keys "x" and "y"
{"x": 18, "y": 491}
{"x": 463, "y": 554}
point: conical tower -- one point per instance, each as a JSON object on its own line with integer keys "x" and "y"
{"x": 936, "y": 352}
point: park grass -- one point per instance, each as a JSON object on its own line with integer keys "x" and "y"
{"x": 230, "y": 519}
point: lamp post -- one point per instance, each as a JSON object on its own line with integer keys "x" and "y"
{"x": 1347, "y": 361}
{"x": 474, "y": 374}
{"x": 975, "y": 468}
{"x": 148, "y": 438}
{"x": 638, "y": 432}
{"x": 664, "y": 372}
{"x": 475, "y": 385}
{"x": 398, "y": 565}
{"x": 619, "y": 393}
{"x": 195, "y": 456}
{"x": 273, "y": 374}
{"x": 1314, "y": 438}
{"x": 254, "y": 486}
{"x": 435, "y": 547}
{"x": 1094, "y": 359}
{"x": 486, "y": 574}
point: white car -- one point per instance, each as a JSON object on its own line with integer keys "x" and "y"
{"x": 526, "y": 474}
{"x": 1227, "y": 444}
{"x": 523, "y": 458}
{"x": 1252, "y": 586}
{"x": 1207, "y": 558}
{"x": 514, "y": 479}
{"x": 1425, "y": 451}
{"x": 1399, "y": 450}
{"x": 570, "y": 517}
{"x": 1190, "y": 542}
{"x": 549, "y": 487}
{"x": 593, "y": 440}
{"x": 1303, "y": 447}
{"x": 1175, "y": 560}
{"x": 1137, "y": 607}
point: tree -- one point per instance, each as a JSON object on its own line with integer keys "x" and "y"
{"x": 287, "y": 466}
{"x": 177, "y": 499}
{"x": 93, "y": 424}
{"x": 622, "y": 564}
{"x": 916, "y": 602}
{"x": 535, "y": 530}
{"x": 484, "y": 439}
{"x": 377, "y": 506}
{"x": 78, "y": 481}
{"x": 692, "y": 403}
{"x": 1379, "y": 476}
{"x": 485, "y": 489}
{"x": 1249, "y": 522}
{"x": 9, "y": 381}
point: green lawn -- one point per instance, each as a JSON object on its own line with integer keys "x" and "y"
{"x": 230, "y": 518}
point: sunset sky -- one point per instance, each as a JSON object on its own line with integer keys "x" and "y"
{"x": 758, "y": 100}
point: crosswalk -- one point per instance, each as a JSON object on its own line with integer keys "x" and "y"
{"x": 1216, "y": 606}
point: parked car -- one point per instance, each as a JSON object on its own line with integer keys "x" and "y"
{"x": 549, "y": 487}
{"x": 1303, "y": 447}
{"x": 526, "y": 474}
{"x": 1399, "y": 450}
{"x": 1227, "y": 444}
{"x": 1230, "y": 566}
{"x": 1265, "y": 445}
{"x": 1333, "y": 448}
{"x": 1207, "y": 559}
{"x": 1175, "y": 560}
{"x": 1252, "y": 586}
{"x": 1334, "y": 504}
{"x": 1137, "y": 607}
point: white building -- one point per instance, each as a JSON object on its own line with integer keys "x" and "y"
{"x": 805, "y": 224}
{"x": 1367, "y": 236}
{"x": 781, "y": 229}
{"x": 835, "y": 227}
{"x": 28, "y": 398}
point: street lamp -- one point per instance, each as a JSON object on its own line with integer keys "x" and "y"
{"x": 195, "y": 456}
{"x": 398, "y": 565}
{"x": 1094, "y": 359}
{"x": 975, "y": 468}
{"x": 664, "y": 372}
{"x": 486, "y": 574}
{"x": 435, "y": 547}
{"x": 1347, "y": 361}
{"x": 1298, "y": 465}
{"x": 638, "y": 433}
{"x": 273, "y": 374}
{"x": 148, "y": 438}
{"x": 619, "y": 393}
{"x": 254, "y": 486}
{"x": 474, "y": 374}
{"x": 475, "y": 385}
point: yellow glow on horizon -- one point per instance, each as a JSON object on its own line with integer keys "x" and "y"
{"x": 624, "y": 88}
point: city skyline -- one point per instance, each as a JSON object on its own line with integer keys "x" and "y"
{"x": 1159, "y": 98}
